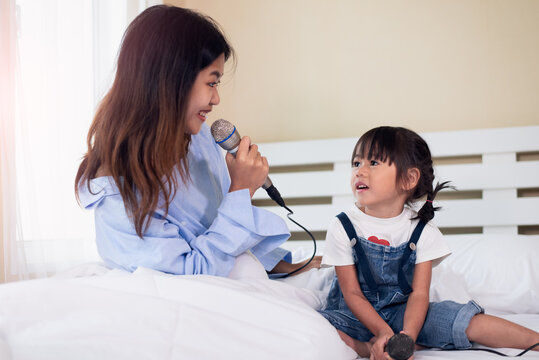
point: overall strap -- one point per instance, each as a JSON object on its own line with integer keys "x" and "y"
{"x": 412, "y": 245}
{"x": 362, "y": 258}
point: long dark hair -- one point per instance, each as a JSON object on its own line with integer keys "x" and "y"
{"x": 407, "y": 150}
{"x": 138, "y": 135}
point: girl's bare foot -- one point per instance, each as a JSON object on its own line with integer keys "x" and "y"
{"x": 363, "y": 349}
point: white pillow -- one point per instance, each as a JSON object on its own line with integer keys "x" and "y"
{"x": 499, "y": 272}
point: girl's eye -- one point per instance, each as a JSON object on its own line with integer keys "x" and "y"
{"x": 214, "y": 84}
{"x": 374, "y": 162}
{"x": 356, "y": 164}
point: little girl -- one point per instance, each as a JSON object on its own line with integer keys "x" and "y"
{"x": 383, "y": 253}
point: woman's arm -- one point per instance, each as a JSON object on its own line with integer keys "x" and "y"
{"x": 286, "y": 267}
{"x": 418, "y": 301}
{"x": 207, "y": 226}
{"x": 170, "y": 244}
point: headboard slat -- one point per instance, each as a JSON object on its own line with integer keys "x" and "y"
{"x": 495, "y": 167}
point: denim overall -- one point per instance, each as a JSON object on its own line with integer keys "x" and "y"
{"x": 385, "y": 274}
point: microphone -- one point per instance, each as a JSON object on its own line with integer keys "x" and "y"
{"x": 400, "y": 346}
{"x": 228, "y": 137}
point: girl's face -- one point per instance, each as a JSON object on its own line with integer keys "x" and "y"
{"x": 203, "y": 95}
{"x": 374, "y": 185}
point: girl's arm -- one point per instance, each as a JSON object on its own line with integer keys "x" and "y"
{"x": 418, "y": 301}
{"x": 362, "y": 308}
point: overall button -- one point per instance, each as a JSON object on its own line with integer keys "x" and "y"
{"x": 353, "y": 242}
{"x": 412, "y": 246}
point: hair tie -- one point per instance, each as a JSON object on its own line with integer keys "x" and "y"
{"x": 429, "y": 201}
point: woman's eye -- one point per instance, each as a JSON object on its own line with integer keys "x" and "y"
{"x": 214, "y": 84}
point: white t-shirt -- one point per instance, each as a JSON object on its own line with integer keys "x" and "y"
{"x": 397, "y": 230}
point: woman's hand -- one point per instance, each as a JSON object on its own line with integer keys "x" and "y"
{"x": 314, "y": 264}
{"x": 285, "y": 267}
{"x": 248, "y": 169}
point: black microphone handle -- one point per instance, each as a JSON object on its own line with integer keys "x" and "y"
{"x": 274, "y": 195}
{"x": 267, "y": 183}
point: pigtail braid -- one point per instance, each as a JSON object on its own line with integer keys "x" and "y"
{"x": 426, "y": 213}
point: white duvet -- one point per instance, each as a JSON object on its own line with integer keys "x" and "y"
{"x": 95, "y": 313}
{"x": 151, "y": 315}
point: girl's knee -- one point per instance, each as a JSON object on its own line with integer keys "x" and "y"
{"x": 475, "y": 326}
{"x": 448, "y": 325}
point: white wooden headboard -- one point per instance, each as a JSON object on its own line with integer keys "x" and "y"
{"x": 496, "y": 172}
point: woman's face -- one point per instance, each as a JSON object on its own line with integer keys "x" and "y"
{"x": 204, "y": 95}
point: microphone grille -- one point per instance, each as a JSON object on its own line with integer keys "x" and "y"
{"x": 221, "y": 129}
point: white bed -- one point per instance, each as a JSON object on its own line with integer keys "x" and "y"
{"x": 90, "y": 312}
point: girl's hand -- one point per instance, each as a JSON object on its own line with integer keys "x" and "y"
{"x": 248, "y": 169}
{"x": 378, "y": 348}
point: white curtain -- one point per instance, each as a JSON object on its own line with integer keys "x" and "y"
{"x": 58, "y": 59}
{"x": 13, "y": 260}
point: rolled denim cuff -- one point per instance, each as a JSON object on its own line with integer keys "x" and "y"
{"x": 462, "y": 320}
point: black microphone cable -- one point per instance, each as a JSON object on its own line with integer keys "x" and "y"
{"x": 290, "y": 212}
{"x": 401, "y": 347}
{"x": 498, "y": 352}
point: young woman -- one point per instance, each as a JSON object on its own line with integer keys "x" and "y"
{"x": 162, "y": 194}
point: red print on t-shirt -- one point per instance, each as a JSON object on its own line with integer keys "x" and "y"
{"x": 375, "y": 240}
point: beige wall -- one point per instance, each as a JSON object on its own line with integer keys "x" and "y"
{"x": 318, "y": 69}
